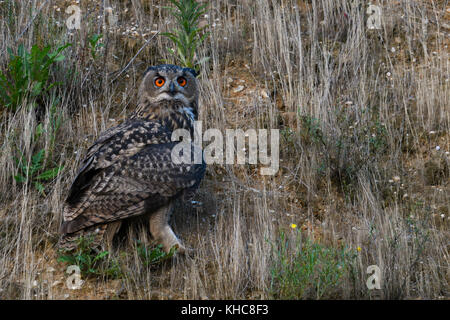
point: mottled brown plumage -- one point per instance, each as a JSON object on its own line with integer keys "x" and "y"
{"x": 129, "y": 172}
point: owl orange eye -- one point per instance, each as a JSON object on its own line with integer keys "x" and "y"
{"x": 159, "y": 82}
{"x": 182, "y": 81}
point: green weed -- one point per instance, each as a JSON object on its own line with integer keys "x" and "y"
{"x": 310, "y": 130}
{"x": 32, "y": 172}
{"x": 40, "y": 168}
{"x": 27, "y": 74}
{"x": 90, "y": 261}
{"x": 94, "y": 44}
{"x": 189, "y": 35}
{"x": 304, "y": 269}
{"x": 154, "y": 255}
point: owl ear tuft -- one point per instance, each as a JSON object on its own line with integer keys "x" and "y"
{"x": 191, "y": 71}
{"x": 148, "y": 69}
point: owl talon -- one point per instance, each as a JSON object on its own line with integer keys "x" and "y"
{"x": 178, "y": 247}
{"x": 182, "y": 250}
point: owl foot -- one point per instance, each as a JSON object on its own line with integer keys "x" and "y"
{"x": 169, "y": 240}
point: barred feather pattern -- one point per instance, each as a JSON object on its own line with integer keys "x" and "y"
{"x": 129, "y": 172}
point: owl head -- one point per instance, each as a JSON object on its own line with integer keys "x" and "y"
{"x": 169, "y": 83}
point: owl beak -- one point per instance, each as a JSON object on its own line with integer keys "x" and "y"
{"x": 172, "y": 89}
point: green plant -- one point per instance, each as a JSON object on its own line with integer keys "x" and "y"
{"x": 8, "y": 10}
{"x": 90, "y": 261}
{"x": 305, "y": 269}
{"x": 154, "y": 255}
{"x": 27, "y": 74}
{"x": 289, "y": 135}
{"x": 377, "y": 140}
{"x": 32, "y": 172}
{"x": 94, "y": 44}
{"x": 36, "y": 171}
{"x": 310, "y": 130}
{"x": 188, "y": 37}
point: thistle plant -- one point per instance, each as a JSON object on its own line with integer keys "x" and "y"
{"x": 188, "y": 36}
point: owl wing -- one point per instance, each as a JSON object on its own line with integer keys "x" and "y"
{"x": 127, "y": 173}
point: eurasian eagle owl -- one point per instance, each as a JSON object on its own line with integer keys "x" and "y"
{"x": 129, "y": 172}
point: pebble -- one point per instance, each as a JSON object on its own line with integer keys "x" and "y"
{"x": 238, "y": 89}
{"x": 264, "y": 94}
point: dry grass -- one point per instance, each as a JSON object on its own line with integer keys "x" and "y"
{"x": 360, "y": 114}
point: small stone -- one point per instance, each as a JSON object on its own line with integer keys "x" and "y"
{"x": 238, "y": 89}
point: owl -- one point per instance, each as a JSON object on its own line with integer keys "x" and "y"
{"x": 129, "y": 172}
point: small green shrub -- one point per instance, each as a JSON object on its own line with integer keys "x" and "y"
{"x": 154, "y": 255}
{"x": 90, "y": 261}
{"x": 305, "y": 269}
{"x": 33, "y": 172}
{"x": 189, "y": 35}
{"x": 310, "y": 130}
{"x": 40, "y": 168}
{"x": 95, "y": 45}
{"x": 27, "y": 74}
